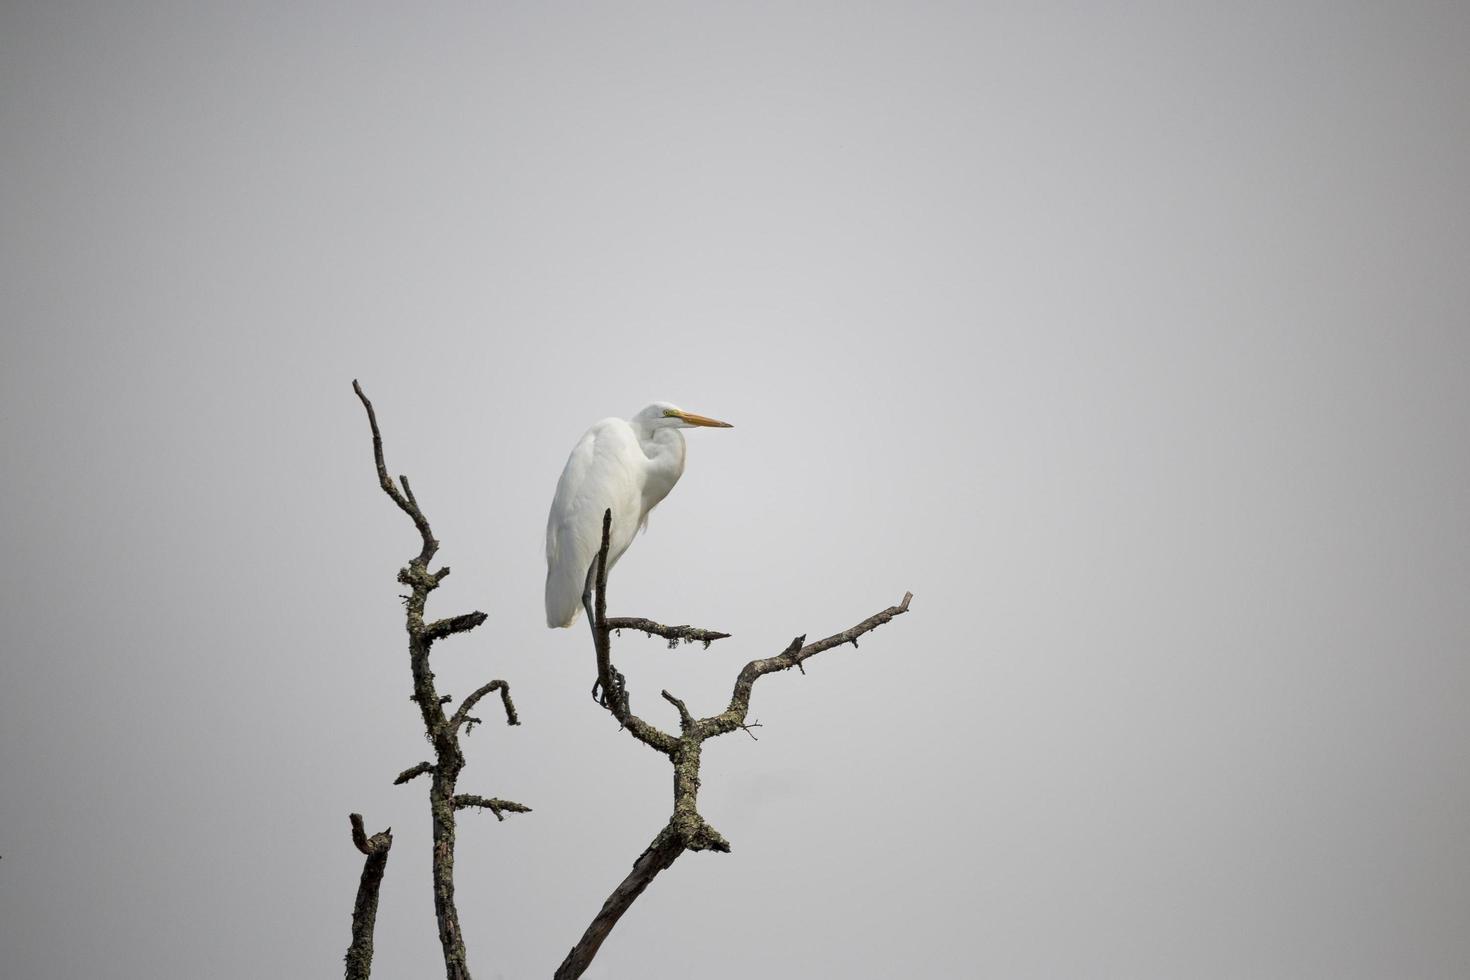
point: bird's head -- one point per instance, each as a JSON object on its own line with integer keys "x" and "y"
{"x": 662, "y": 415}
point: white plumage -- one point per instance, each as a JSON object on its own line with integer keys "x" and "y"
{"x": 628, "y": 465}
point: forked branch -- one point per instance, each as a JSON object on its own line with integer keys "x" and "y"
{"x": 443, "y": 730}
{"x": 463, "y": 714}
{"x": 686, "y": 830}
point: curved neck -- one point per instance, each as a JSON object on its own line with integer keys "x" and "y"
{"x": 664, "y": 448}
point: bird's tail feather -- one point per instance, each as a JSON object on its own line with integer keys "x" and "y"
{"x": 563, "y": 597}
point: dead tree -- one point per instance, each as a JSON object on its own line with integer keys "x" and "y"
{"x": 365, "y": 909}
{"x": 443, "y": 730}
{"x": 686, "y": 829}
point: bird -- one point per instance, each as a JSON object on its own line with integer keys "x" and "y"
{"x": 626, "y": 465}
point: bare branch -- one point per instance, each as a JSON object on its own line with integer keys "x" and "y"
{"x": 687, "y": 830}
{"x": 413, "y": 772}
{"x": 657, "y": 857}
{"x": 406, "y": 504}
{"x": 365, "y": 909}
{"x": 463, "y": 714}
{"x": 440, "y": 628}
{"x": 685, "y": 718}
{"x": 443, "y": 732}
{"x": 497, "y": 807}
{"x": 615, "y": 697}
{"x": 674, "y": 634}
{"x": 793, "y": 656}
{"x": 851, "y": 635}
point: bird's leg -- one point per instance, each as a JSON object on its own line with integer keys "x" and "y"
{"x": 619, "y": 683}
{"x": 592, "y": 624}
{"x": 587, "y": 599}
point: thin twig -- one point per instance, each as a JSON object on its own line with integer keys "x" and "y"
{"x": 497, "y": 807}
{"x": 685, "y": 718}
{"x": 793, "y": 656}
{"x": 463, "y": 714}
{"x": 407, "y": 504}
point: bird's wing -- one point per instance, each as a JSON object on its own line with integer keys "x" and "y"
{"x": 603, "y": 471}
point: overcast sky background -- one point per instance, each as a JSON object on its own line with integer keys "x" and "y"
{"x": 1133, "y": 341}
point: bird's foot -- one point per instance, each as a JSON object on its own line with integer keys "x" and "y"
{"x": 615, "y": 694}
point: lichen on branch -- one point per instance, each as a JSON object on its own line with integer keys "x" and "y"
{"x": 443, "y": 730}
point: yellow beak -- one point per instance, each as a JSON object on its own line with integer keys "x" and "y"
{"x": 693, "y": 419}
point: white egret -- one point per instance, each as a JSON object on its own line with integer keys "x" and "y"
{"x": 628, "y": 465}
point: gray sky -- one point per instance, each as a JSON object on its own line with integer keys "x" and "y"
{"x": 1133, "y": 342}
